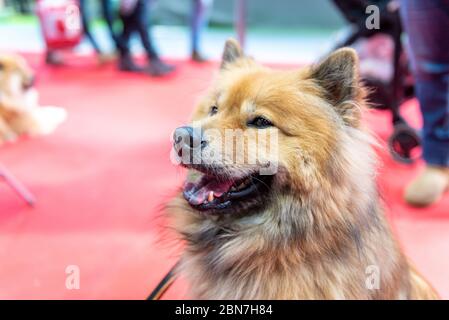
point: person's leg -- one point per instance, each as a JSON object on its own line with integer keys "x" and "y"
{"x": 126, "y": 62}
{"x": 199, "y": 21}
{"x": 86, "y": 27}
{"x": 427, "y": 26}
{"x": 143, "y": 26}
{"x": 109, "y": 17}
{"x": 156, "y": 67}
{"x": 128, "y": 26}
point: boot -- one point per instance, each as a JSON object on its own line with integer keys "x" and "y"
{"x": 428, "y": 187}
{"x": 158, "y": 68}
{"x": 197, "y": 57}
{"x": 126, "y": 63}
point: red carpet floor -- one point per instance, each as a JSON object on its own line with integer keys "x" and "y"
{"x": 102, "y": 178}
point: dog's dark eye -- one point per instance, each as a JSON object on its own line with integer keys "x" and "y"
{"x": 213, "y": 110}
{"x": 260, "y": 123}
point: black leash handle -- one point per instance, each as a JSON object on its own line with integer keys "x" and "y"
{"x": 165, "y": 283}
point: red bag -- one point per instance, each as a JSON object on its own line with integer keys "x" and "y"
{"x": 61, "y": 23}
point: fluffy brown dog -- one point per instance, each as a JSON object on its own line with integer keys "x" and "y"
{"x": 19, "y": 109}
{"x": 314, "y": 228}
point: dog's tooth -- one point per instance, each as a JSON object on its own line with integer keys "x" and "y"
{"x": 211, "y": 196}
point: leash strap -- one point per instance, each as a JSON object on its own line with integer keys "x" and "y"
{"x": 165, "y": 283}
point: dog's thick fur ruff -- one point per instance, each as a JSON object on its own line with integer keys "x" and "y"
{"x": 323, "y": 227}
{"x": 20, "y": 113}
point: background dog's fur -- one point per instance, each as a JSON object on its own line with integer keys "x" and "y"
{"x": 323, "y": 225}
{"x": 19, "y": 110}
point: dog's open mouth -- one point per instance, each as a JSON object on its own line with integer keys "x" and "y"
{"x": 210, "y": 192}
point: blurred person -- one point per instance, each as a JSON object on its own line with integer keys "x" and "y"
{"x": 199, "y": 21}
{"x": 427, "y": 26}
{"x": 135, "y": 17}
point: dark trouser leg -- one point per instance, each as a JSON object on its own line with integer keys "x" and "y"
{"x": 126, "y": 62}
{"x": 198, "y": 21}
{"x": 129, "y": 26}
{"x": 86, "y": 27}
{"x": 109, "y": 17}
{"x": 143, "y": 24}
{"x": 427, "y": 26}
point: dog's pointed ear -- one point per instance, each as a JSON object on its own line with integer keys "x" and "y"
{"x": 232, "y": 51}
{"x": 338, "y": 76}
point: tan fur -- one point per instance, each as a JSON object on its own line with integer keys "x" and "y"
{"x": 322, "y": 226}
{"x": 19, "y": 110}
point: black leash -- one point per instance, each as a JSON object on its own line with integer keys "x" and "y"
{"x": 165, "y": 283}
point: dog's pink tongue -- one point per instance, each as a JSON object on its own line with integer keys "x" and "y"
{"x": 201, "y": 195}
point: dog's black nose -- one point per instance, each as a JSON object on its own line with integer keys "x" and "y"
{"x": 188, "y": 138}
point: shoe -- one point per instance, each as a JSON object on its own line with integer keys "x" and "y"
{"x": 428, "y": 187}
{"x": 197, "y": 57}
{"x": 127, "y": 64}
{"x": 158, "y": 68}
{"x": 104, "y": 58}
{"x": 54, "y": 58}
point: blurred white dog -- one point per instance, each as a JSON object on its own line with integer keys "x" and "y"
{"x": 20, "y": 113}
